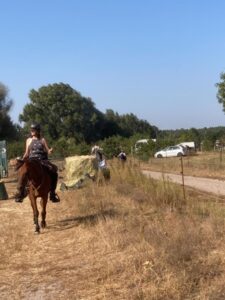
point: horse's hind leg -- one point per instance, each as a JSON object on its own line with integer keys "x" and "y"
{"x": 43, "y": 212}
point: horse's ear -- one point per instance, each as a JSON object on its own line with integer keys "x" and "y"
{"x": 13, "y": 162}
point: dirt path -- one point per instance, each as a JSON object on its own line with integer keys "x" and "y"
{"x": 214, "y": 186}
{"x": 53, "y": 264}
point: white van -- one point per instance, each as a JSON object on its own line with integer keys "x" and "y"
{"x": 140, "y": 143}
{"x": 189, "y": 145}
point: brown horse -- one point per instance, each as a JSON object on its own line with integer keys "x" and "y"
{"x": 39, "y": 185}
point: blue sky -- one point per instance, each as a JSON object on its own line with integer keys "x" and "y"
{"x": 158, "y": 59}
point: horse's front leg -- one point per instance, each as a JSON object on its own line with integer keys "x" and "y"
{"x": 33, "y": 201}
{"x": 44, "y": 201}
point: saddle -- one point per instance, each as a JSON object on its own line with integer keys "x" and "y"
{"x": 45, "y": 163}
{"x": 49, "y": 166}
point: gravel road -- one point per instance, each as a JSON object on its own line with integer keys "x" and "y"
{"x": 214, "y": 186}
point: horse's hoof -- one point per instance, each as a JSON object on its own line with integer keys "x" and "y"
{"x": 43, "y": 225}
{"x": 37, "y": 232}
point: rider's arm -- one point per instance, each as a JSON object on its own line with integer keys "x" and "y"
{"x": 27, "y": 150}
{"x": 48, "y": 150}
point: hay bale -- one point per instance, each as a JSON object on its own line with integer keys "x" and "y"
{"x": 79, "y": 169}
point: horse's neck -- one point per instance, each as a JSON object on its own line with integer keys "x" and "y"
{"x": 35, "y": 172}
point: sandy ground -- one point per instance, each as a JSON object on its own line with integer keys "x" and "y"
{"x": 51, "y": 265}
{"x": 214, "y": 186}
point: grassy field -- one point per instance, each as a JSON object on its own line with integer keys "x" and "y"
{"x": 206, "y": 164}
{"x": 133, "y": 238}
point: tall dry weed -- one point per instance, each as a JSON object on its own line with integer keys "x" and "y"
{"x": 208, "y": 164}
{"x": 135, "y": 238}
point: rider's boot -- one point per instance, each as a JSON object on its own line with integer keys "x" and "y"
{"x": 53, "y": 196}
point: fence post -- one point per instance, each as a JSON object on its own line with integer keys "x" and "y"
{"x": 221, "y": 157}
{"x": 3, "y": 159}
{"x": 182, "y": 174}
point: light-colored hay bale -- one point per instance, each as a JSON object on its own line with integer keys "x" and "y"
{"x": 78, "y": 167}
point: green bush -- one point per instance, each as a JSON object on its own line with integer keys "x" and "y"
{"x": 112, "y": 146}
{"x": 68, "y": 147}
{"x": 15, "y": 149}
{"x": 145, "y": 151}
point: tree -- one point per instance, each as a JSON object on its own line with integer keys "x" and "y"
{"x": 64, "y": 112}
{"x": 7, "y": 128}
{"x": 128, "y": 124}
{"x": 221, "y": 90}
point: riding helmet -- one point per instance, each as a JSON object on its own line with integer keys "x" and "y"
{"x": 35, "y": 126}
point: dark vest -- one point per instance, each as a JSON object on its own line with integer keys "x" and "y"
{"x": 37, "y": 150}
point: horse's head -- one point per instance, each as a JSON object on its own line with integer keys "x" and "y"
{"x": 18, "y": 163}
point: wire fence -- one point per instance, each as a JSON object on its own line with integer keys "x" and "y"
{"x": 206, "y": 165}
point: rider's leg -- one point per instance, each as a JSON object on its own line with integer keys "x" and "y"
{"x": 53, "y": 196}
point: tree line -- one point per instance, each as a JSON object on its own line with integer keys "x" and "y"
{"x": 72, "y": 122}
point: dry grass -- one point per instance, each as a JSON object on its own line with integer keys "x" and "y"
{"x": 206, "y": 164}
{"x": 134, "y": 238}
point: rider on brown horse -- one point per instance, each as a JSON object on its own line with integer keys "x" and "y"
{"x": 37, "y": 148}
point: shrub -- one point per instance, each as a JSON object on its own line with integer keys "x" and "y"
{"x": 15, "y": 149}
